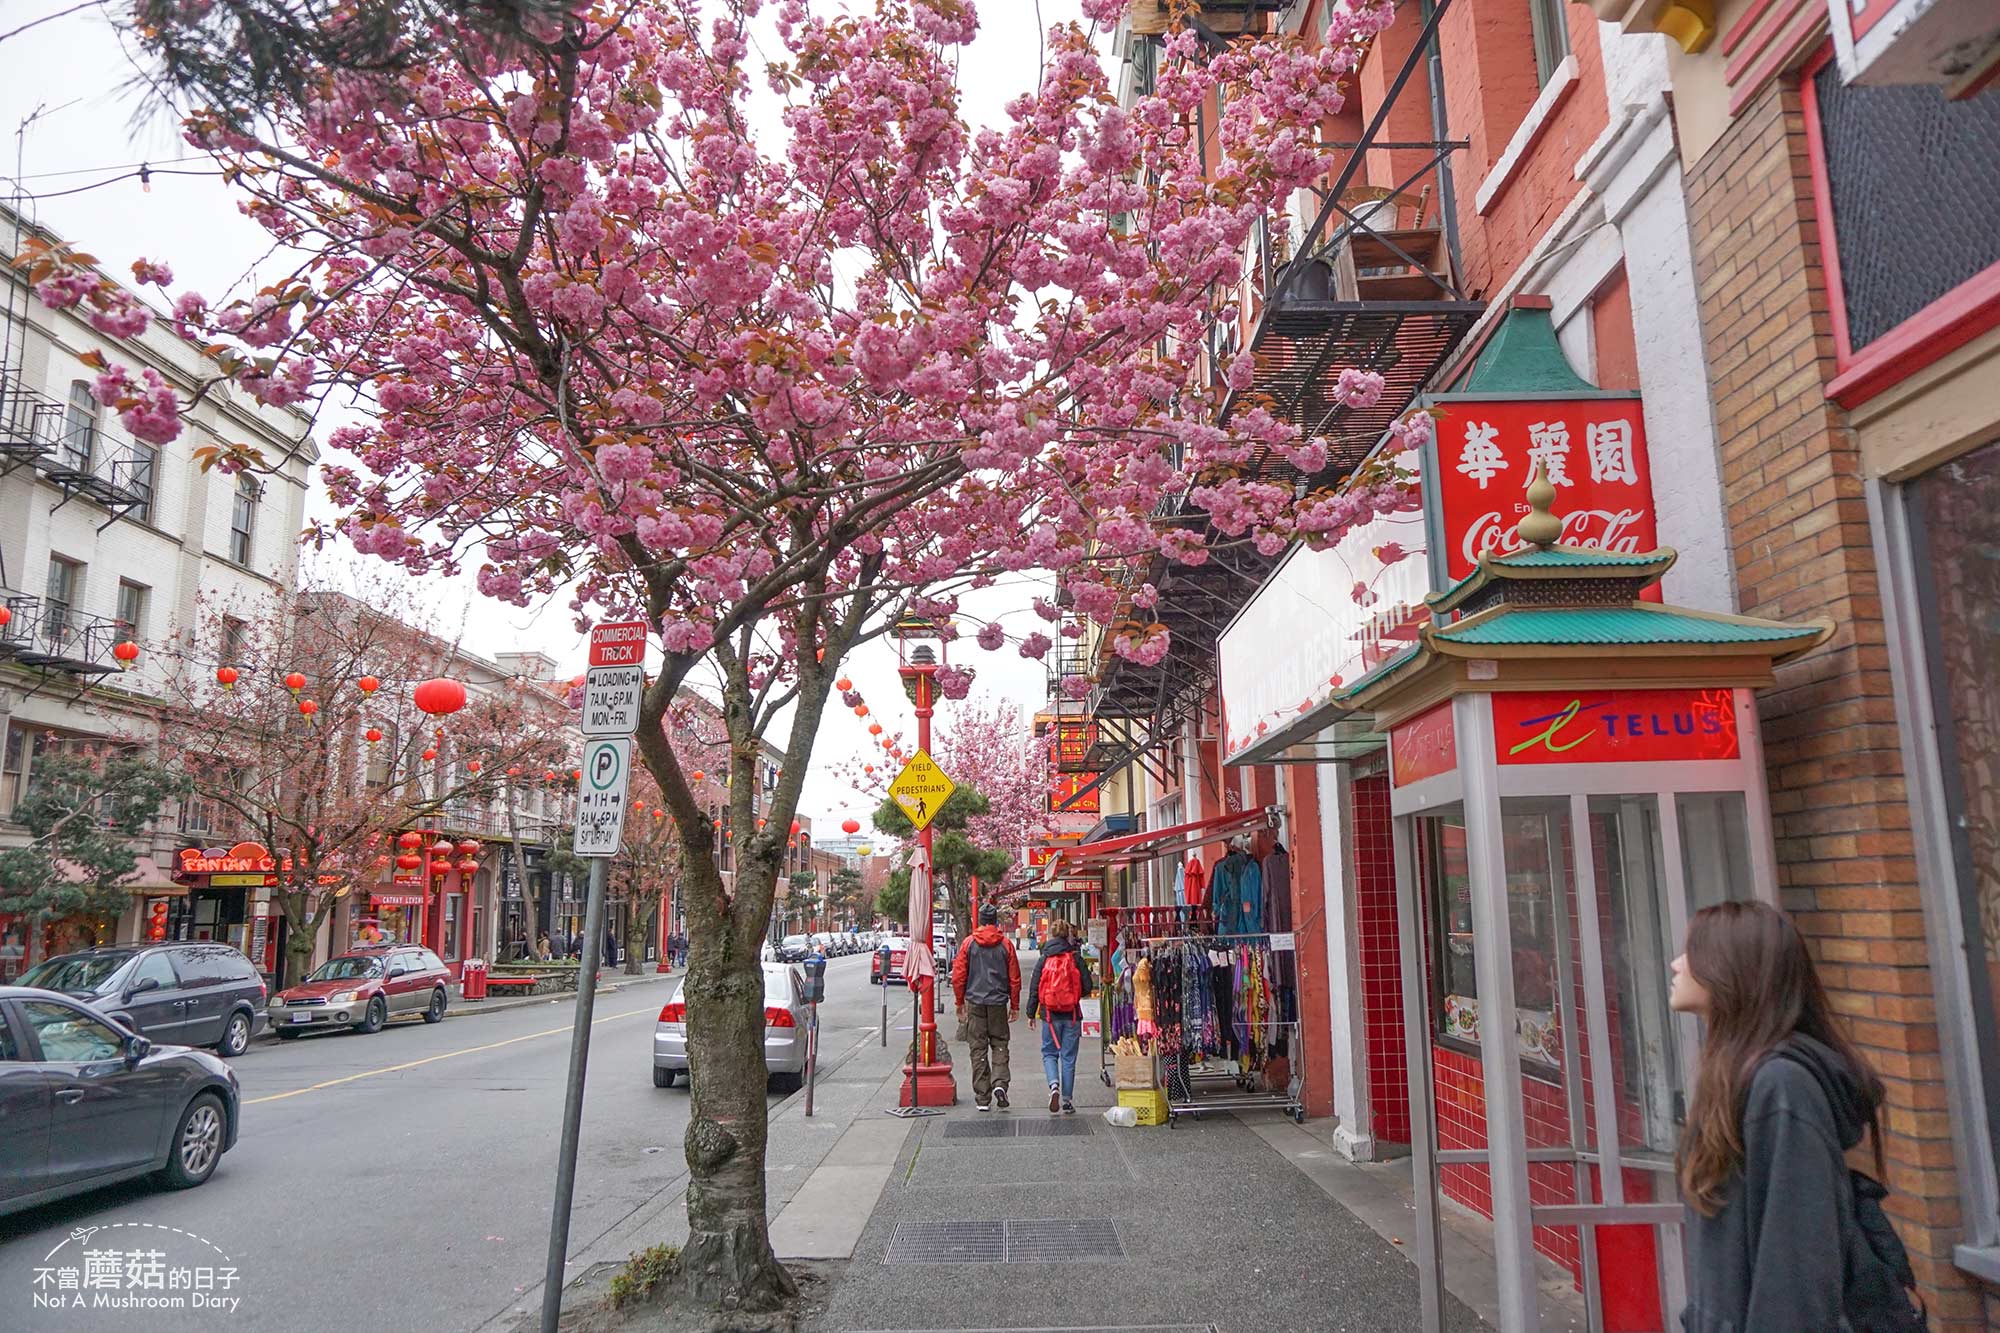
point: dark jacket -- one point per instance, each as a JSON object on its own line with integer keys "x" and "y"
{"x": 1050, "y": 950}
{"x": 986, "y": 970}
{"x": 1776, "y": 1257}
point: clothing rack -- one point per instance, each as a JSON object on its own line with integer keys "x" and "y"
{"x": 1219, "y": 1082}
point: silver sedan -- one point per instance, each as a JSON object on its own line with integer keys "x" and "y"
{"x": 785, "y": 1019}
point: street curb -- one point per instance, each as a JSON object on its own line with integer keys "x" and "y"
{"x": 270, "y": 1034}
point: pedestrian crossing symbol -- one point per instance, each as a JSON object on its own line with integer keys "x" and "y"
{"x": 921, "y": 789}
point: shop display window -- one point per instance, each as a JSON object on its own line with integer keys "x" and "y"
{"x": 454, "y": 906}
{"x": 1715, "y": 849}
{"x": 1638, "y": 953}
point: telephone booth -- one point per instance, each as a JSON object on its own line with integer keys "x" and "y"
{"x": 1575, "y": 770}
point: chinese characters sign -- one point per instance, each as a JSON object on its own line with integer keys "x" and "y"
{"x": 1072, "y": 746}
{"x": 1615, "y": 726}
{"x": 1487, "y": 449}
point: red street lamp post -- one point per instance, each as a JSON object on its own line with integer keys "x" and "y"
{"x": 928, "y": 1081}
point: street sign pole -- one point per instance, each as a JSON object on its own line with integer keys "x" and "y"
{"x": 579, "y": 1059}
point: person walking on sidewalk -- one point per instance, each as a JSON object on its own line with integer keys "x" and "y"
{"x": 986, "y": 978}
{"x": 1782, "y": 1235}
{"x": 1062, "y": 983}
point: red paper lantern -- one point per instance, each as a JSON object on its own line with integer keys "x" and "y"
{"x": 576, "y": 775}
{"x": 125, "y": 650}
{"x": 411, "y": 840}
{"x": 659, "y": 813}
{"x": 226, "y": 677}
{"x": 472, "y": 766}
{"x": 468, "y": 866}
{"x": 850, "y": 826}
{"x": 697, "y": 775}
{"x": 294, "y": 681}
{"x": 843, "y": 684}
{"x": 861, "y": 710}
{"x": 368, "y": 684}
{"x": 439, "y": 695}
{"x": 469, "y": 847}
{"x": 874, "y": 728}
{"x": 513, "y": 770}
{"x": 760, "y": 823}
{"x": 409, "y": 861}
{"x": 430, "y": 754}
{"x": 440, "y": 867}
{"x": 307, "y": 708}
{"x": 373, "y": 734}
{"x": 548, "y": 775}
{"x": 868, "y": 768}
{"x": 795, "y": 828}
{"x": 718, "y": 823}
{"x": 6, "y": 617}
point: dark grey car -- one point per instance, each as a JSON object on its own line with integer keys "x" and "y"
{"x": 84, "y": 1103}
{"x": 180, "y": 994}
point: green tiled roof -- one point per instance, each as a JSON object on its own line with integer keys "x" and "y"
{"x": 1575, "y": 557}
{"x": 1525, "y": 626}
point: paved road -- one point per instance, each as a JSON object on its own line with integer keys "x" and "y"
{"x": 403, "y": 1180}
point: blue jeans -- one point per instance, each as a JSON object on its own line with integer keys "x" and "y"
{"x": 1059, "y": 1042}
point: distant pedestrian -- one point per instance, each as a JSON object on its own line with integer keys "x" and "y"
{"x": 1062, "y": 983}
{"x": 986, "y": 978}
{"x": 610, "y": 948}
{"x": 543, "y": 952}
{"x": 1782, "y": 1235}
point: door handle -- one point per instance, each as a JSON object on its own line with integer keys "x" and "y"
{"x": 69, "y": 1095}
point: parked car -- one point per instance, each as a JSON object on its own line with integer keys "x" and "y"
{"x": 363, "y": 989}
{"x": 899, "y": 949}
{"x": 171, "y": 994}
{"x": 793, "y": 947}
{"x": 87, "y": 1103}
{"x": 784, "y": 1032}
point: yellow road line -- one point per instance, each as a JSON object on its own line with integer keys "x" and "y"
{"x": 431, "y": 1059}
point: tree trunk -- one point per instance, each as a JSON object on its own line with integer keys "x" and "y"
{"x": 727, "y": 1260}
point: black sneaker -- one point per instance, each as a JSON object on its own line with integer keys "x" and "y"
{"x": 1068, "y": 1109}
{"x": 1055, "y": 1098}
{"x": 1000, "y": 1095}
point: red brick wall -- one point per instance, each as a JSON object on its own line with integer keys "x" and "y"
{"x": 1379, "y": 953}
{"x": 1308, "y": 856}
{"x": 1617, "y": 351}
{"x": 1792, "y": 484}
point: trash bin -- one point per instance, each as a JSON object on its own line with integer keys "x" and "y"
{"x": 472, "y": 979}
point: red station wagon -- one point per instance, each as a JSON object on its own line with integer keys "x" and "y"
{"x": 363, "y": 989}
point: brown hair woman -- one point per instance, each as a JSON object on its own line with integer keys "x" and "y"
{"x": 1776, "y": 1239}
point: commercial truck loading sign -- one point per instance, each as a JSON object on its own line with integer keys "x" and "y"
{"x": 619, "y": 644}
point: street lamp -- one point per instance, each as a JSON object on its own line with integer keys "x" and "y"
{"x": 929, "y": 1080}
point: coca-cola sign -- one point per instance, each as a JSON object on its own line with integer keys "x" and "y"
{"x": 1487, "y": 449}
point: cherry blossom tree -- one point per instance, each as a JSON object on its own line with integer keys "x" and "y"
{"x": 761, "y": 342}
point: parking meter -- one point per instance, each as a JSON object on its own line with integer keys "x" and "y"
{"x": 815, "y": 979}
{"x": 815, "y": 966}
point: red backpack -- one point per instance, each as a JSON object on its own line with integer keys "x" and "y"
{"x": 1062, "y": 985}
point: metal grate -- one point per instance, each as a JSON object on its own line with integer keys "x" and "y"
{"x": 1093, "y": 1328}
{"x": 1914, "y": 195}
{"x": 979, "y": 1129}
{"x": 1013, "y": 1241}
{"x": 1051, "y": 1129}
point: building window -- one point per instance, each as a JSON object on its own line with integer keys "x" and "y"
{"x": 79, "y": 441}
{"x": 13, "y": 768}
{"x": 131, "y": 608}
{"x": 235, "y": 635}
{"x": 1904, "y": 189}
{"x": 59, "y": 601}
{"x": 1954, "y": 525}
{"x": 242, "y": 518}
{"x": 1551, "y": 37}
{"x": 142, "y": 467}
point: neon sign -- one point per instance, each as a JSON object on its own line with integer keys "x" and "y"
{"x": 1615, "y": 726}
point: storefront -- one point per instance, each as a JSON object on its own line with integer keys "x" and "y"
{"x": 224, "y": 896}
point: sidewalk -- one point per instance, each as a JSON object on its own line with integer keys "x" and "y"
{"x": 992, "y": 1222}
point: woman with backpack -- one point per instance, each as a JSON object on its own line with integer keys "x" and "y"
{"x": 1062, "y": 982}
{"x": 1782, "y": 1236}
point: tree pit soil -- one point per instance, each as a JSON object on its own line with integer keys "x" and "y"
{"x": 587, "y": 1306}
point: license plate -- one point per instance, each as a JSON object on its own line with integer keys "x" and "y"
{"x": 302, "y": 1018}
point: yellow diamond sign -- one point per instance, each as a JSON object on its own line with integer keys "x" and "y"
{"x": 921, "y": 789}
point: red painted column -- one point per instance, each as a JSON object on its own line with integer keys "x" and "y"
{"x": 1309, "y": 926}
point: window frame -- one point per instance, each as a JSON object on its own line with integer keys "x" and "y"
{"x": 1550, "y": 26}
{"x": 145, "y": 480}
{"x": 133, "y": 626}
{"x": 243, "y": 502}
{"x": 1946, "y": 324}
{"x": 61, "y": 609}
{"x": 76, "y": 1013}
{"x": 80, "y": 418}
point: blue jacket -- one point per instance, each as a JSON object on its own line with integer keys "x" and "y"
{"x": 1237, "y": 890}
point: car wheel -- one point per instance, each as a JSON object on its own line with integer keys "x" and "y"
{"x": 197, "y": 1143}
{"x": 235, "y": 1036}
{"x": 787, "y": 1082}
{"x": 435, "y": 1014}
{"x": 375, "y": 1017}
{"x": 662, "y": 1078}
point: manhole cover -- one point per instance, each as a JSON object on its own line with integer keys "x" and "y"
{"x": 948, "y": 1243}
{"x": 979, "y": 1129}
{"x": 1015, "y": 1241}
{"x": 1061, "y": 1129}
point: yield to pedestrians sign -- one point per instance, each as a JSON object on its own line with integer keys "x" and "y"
{"x": 921, "y": 789}
{"x": 600, "y": 797}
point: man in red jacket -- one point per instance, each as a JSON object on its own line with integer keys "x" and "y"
{"x": 986, "y": 978}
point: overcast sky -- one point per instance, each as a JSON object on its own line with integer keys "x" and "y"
{"x": 67, "y": 111}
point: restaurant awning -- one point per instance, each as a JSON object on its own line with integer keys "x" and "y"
{"x": 1086, "y": 857}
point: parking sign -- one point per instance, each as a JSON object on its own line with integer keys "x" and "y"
{"x": 600, "y": 798}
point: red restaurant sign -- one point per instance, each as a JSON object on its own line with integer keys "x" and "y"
{"x": 1423, "y": 747}
{"x": 244, "y": 859}
{"x": 619, "y": 644}
{"x": 1615, "y": 726}
{"x": 1487, "y": 449}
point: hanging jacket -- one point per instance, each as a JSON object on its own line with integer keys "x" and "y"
{"x": 1278, "y": 890}
{"x": 1180, "y": 885}
{"x": 1239, "y": 895}
{"x": 1194, "y": 882}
